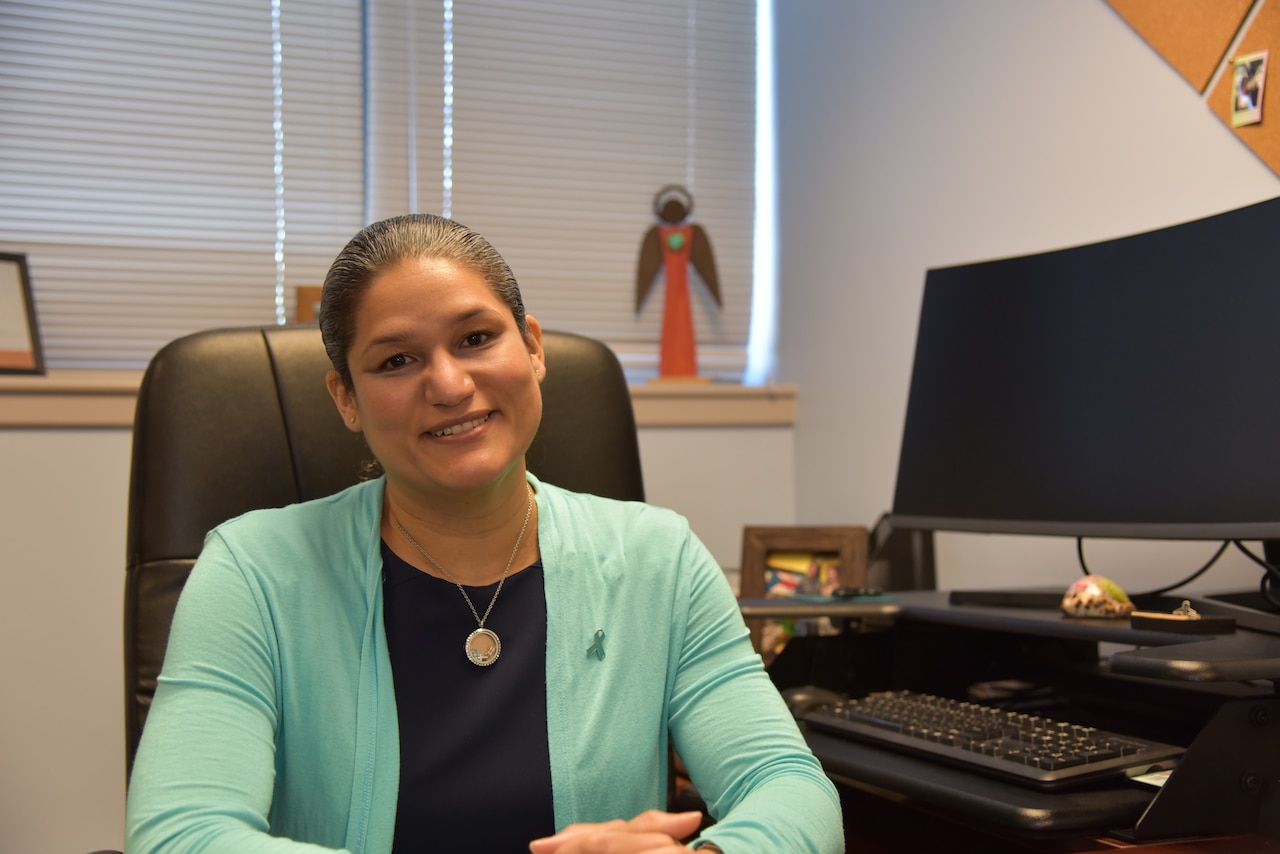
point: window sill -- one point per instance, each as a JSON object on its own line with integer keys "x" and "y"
{"x": 67, "y": 398}
{"x": 673, "y": 403}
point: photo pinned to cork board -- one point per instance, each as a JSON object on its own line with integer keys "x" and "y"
{"x": 798, "y": 562}
{"x": 1249, "y": 79}
{"x": 20, "y": 351}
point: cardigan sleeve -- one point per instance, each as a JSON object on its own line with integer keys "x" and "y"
{"x": 204, "y": 775}
{"x": 734, "y": 733}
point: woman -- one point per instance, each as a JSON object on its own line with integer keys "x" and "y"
{"x": 454, "y": 655}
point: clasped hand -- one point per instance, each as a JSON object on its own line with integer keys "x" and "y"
{"x": 652, "y": 831}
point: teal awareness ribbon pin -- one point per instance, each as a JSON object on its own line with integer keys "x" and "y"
{"x": 597, "y": 646}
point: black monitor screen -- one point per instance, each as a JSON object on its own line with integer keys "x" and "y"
{"x": 1128, "y": 388}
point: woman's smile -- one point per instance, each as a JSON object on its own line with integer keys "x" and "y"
{"x": 460, "y": 428}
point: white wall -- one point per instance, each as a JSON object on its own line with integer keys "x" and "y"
{"x": 915, "y": 134}
{"x": 721, "y": 479}
{"x": 62, "y": 517}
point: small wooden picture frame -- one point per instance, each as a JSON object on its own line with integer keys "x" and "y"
{"x": 20, "y": 351}
{"x": 307, "y": 303}
{"x": 844, "y": 547}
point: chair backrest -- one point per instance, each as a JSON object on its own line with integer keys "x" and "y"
{"x": 232, "y": 420}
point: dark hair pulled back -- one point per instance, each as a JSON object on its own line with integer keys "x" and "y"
{"x": 384, "y": 244}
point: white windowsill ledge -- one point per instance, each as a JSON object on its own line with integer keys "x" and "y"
{"x": 68, "y": 398}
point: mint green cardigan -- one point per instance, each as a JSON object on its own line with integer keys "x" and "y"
{"x": 274, "y": 724}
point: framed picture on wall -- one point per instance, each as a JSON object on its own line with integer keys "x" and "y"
{"x": 20, "y": 351}
{"x": 792, "y": 561}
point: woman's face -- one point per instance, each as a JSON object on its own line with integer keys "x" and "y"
{"x": 444, "y": 385}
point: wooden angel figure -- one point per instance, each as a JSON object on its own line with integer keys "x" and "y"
{"x": 674, "y": 244}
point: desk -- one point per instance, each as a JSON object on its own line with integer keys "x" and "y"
{"x": 1214, "y": 695}
{"x": 858, "y": 609}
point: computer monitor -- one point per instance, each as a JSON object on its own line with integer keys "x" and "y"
{"x": 1128, "y": 388}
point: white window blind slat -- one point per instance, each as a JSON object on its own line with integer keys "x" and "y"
{"x": 568, "y": 116}
{"x": 406, "y": 107}
{"x": 136, "y": 163}
{"x": 138, "y": 149}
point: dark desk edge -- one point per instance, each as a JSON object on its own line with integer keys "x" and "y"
{"x": 975, "y": 796}
{"x": 880, "y": 606}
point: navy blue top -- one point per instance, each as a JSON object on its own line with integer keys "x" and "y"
{"x": 475, "y": 770}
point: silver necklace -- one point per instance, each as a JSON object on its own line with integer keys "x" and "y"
{"x": 483, "y": 645}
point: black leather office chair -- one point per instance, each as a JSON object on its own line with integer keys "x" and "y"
{"x": 232, "y": 420}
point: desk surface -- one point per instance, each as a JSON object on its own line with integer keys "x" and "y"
{"x": 786, "y": 606}
{"x": 1239, "y": 656}
{"x": 1204, "y": 794}
{"x": 1242, "y": 655}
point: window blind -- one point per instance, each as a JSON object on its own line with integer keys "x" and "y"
{"x": 138, "y": 163}
{"x": 165, "y": 169}
{"x": 568, "y": 116}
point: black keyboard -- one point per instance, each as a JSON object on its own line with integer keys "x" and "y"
{"x": 1024, "y": 748}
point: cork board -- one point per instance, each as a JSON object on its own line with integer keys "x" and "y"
{"x": 1191, "y": 35}
{"x": 1262, "y": 138}
{"x": 1196, "y": 38}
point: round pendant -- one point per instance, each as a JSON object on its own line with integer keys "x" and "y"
{"x": 483, "y": 647}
